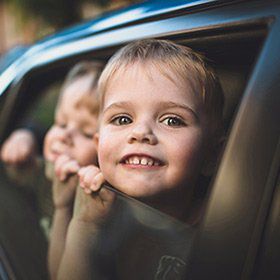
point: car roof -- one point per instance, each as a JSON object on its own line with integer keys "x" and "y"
{"x": 10, "y": 56}
{"x": 131, "y": 15}
{"x": 122, "y": 17}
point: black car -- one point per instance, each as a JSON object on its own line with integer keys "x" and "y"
{"x": 238, "y": 235}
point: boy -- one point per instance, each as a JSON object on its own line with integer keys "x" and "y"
{"x": 68, "y": 146}
{"x": 70, "y": 141}
{"x": 159, "y": 130}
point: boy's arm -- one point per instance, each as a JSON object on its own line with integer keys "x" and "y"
{"x": 79, "y": 258}
{"x": 92, "y": 207}
{"x": 60, "y": 224}
{"x": 64, "y": 187}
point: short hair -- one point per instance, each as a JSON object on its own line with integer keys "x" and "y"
{"x": 166, "y": 56}
{"x": 80, "y": 70}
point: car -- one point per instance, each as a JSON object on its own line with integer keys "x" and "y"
{"x": 237, "y": 237}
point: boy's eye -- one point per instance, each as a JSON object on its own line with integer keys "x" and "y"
{"x": 88, "y": 134}
{"x": 173, "y": 121}
{"x": 61, "y": 124}
{"x": 121, "y": 120}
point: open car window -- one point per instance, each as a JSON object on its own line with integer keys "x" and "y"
{"x": 143, "y": 241}
{"x": 140, "y": 240}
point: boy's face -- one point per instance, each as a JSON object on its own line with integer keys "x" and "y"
{"x": 74, "y": 127}
{"x": 153, "y": 134}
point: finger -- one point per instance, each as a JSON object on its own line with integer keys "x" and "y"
{"x": 23, "y": 155}
{"x": 81, "y": 174}
{"x": 85, "y": 169}
{"x": 72, "y": 167}
{"x": 69, "y": 168}
{"x": 88, "y": 177}
{"x": 11, "y": 155}
{"x": 6, "y": 152}
{"x": 60, "y": 161}
{"x": 97, "y": 181}
{"x": 82, "y": 171}
{"x": 24, "y": 152}
{"x": 86, "y": 174}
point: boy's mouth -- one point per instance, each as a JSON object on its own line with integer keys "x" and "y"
{"x": 141, "y": 160}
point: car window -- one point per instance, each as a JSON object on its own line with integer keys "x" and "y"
{"x": 148, "y": 242}
{"x": 160, "y": 238}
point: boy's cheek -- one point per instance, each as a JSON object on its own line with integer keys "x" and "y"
{"x": 48, "y": 140}
{"x": 85, "y": 156}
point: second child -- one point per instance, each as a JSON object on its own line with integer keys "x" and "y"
{"x": 68, "y": 146}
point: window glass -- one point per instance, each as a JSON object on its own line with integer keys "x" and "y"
{"x": 136, "y": 239}
{"x": 145, "y": 242}
{"x": 26, "y": 202}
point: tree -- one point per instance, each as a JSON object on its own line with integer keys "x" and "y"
{"x": 57, "y": 13}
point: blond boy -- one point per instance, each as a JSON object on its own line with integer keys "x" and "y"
{"x": 68, "y": 146}
{"x": 159, "y": 131}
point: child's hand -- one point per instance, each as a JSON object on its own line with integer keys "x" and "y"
{"x": 19, "y": 148}
{"x": 65, "y": 181}
{"x": 93, "y": 203}
{"x": 64, "y": 167}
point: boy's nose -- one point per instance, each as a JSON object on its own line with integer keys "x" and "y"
{"x": 142, "y": 133}
{"x": 67, "y": 136}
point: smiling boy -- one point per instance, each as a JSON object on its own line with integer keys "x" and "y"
{"x": 160, "y": 122}
{"x": 160, "y": 125}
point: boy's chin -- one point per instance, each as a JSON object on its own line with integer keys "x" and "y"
{"x": 139, "y": 192}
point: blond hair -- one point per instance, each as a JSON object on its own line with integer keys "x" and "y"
{"x": 168, "y": 57}
{"x": 83, "y": 69}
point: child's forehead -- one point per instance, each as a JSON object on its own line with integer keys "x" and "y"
{"x": 134, "y": 76}
{"x": 153, "y": 69}
{"x": 147, "y": 84}
{"x": 79, "y": 84}
{"x": 79, "y": 97}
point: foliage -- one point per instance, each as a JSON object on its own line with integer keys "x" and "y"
{"x": 57, "y": 13}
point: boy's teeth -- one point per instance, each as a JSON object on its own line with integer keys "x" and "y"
{"x": 142, "y": 161}
{"x": 135, "y": 160}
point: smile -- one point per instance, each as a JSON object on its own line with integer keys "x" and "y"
{"x": 141, "y": 160}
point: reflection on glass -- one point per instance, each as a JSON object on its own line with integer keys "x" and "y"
{"x": 139, "y": 242}
{"x": 135, "y": 242}
{"x": 25, "y": 217}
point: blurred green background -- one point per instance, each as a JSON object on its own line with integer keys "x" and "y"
{"x": 25, "y": 21}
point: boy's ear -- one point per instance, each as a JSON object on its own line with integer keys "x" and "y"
{"x": 210, "y": 163}
{"x": 96, "y": 140}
